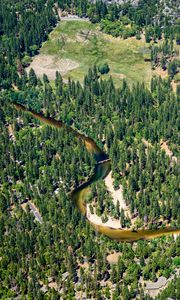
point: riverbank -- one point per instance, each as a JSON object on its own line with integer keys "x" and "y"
{"x": 96, "y": 220}
{"x": 79, "y": 195}
{"x": 117, "y": 195}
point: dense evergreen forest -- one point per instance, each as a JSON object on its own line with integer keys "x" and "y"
{"x": 62, "y": 257}
{"x": 154, "y": 17}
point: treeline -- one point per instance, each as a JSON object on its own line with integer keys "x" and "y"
{"x": 123, "y": 28}
{"x": 156, "y": 17}
{"x": 166, "y": 57}
{"x": 24, "y": 25}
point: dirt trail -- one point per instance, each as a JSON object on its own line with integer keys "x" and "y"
{"x": 165, "y": 147}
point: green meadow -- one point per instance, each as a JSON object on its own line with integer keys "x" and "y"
{"x": 83, "y": 43}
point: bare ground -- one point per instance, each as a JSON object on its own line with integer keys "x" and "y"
{"x": 95, "y": 219}
{"x": 117, "y": 195}
{"x": 118, "y": 75}
{"x": 160, "y": 72}
{"x": 49, "y": 64}
{"x": 11, "y": 133}
{"x": 113, "y": 257}
{"x": 164, "y": 74}
{"x": 165, "y": 147}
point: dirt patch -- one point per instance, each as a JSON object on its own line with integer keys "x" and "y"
{"x": 165, "y": 147}
{"x": 117, "y": 195}
{"x": 53, "y": 285}
{"x": 164, "y": 74}
{"x": 146, "y": 143}
{"x": 83, "y": 35}
{"x": 174, "y": 85}
{"x": 24, "y": 206}
{"x": 160, "y": 72}
{"x": 143, "y": 37}
{"x": 113, "y": 258}
{"x": 15, "y": 87}
{"x": 118, "y": 75}
{"x": 95, "y": 219}
{"x": 11, "y": 133}
{"x": 49, "y": 64}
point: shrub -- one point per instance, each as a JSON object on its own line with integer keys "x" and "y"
{"x": 26, "y": 60}
{"x": 104, "y": 69}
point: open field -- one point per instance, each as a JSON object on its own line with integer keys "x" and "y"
{"x": 74, "y": 46}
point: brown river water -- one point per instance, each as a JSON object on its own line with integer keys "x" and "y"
{"x": 102, "y": 169}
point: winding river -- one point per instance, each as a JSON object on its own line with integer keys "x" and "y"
{"x": 102, "y": 169}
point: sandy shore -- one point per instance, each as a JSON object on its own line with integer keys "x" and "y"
{"x": 114, "y": 223}
{"x": 117, "y": 195}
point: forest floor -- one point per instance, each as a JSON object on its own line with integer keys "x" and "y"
{"x": 164, "y": 146}
{"x": 164, "y": 74}
{"x": 74, "y": 46}
{"x": 11, "y": 133}
{"x": 152, "y": 288}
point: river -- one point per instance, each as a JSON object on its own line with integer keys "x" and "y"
{"x": 102, "y": 169}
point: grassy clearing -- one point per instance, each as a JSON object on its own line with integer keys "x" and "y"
{"x": 83, "y": 43}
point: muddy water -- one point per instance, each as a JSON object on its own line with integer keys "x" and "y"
{"x": 102, "y": 169}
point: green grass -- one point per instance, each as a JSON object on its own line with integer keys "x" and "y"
{"x": 177, "y": 77}
{"x": 123, "y": 56}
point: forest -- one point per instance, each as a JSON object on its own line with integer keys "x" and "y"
{"x": 62, "y": 257}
